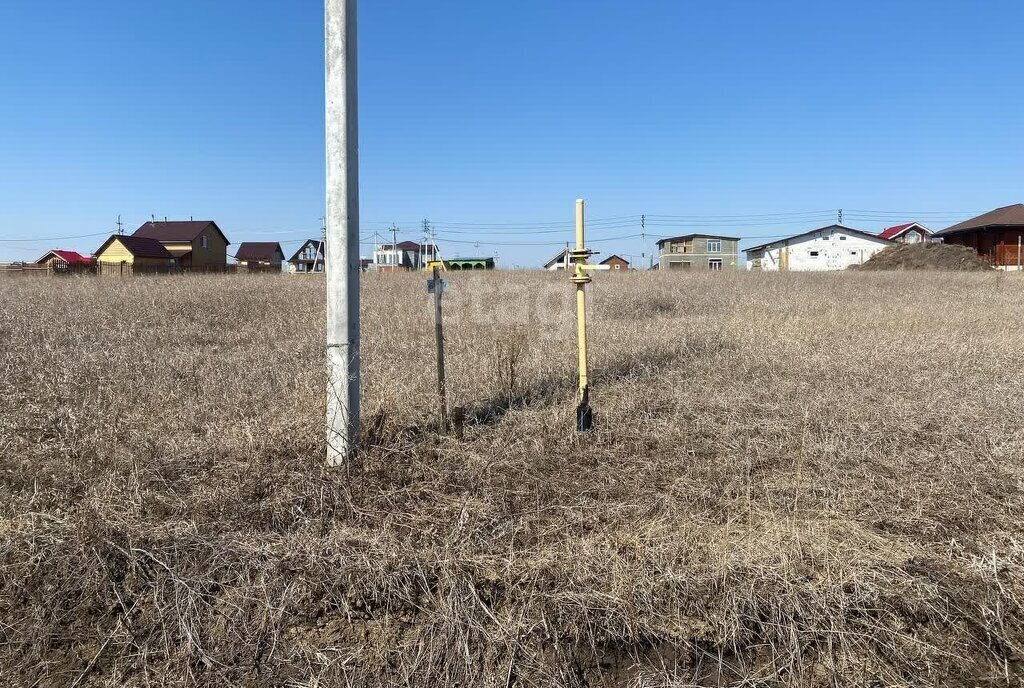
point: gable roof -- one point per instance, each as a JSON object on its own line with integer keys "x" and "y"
{"x": 612, "y": 256}
{"x": 69, "y": 257}
{"x": 140, "y": 247}
{"x": 177, "y": 231}
{"x": 899, "y": 230}
{"x": 843, "y": 228}
{"x": 315, "y": 243}
{"x": 684, "y": 237}
{"x": 258, "y": 250}
{"x": 1009, "y": 215}
{"x": 557, "y": 258}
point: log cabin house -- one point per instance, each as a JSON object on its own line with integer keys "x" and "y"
{"x": 997, "y": 236}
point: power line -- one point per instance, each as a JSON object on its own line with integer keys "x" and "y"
{"x": 61, "y": 238}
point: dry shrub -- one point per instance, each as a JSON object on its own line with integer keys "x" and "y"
{"x": 799, "y": 480}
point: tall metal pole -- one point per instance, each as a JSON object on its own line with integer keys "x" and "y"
{"x": 342, "y": 250}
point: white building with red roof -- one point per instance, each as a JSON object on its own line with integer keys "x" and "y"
{"x": 908, "y": 233}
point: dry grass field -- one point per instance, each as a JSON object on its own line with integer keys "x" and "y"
{"x": 797, "y": 480}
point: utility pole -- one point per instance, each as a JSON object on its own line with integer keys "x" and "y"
{"x": 442, "y": 389}
{"x": 840, "y": 216}
{"x": 426, "y": 238}
{"x": 120, "y": 226}
{"x": 643, "y": 238}
{"x": 342, "y": 228}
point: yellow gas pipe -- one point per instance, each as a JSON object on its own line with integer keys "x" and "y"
{"x": 578, "y": 257}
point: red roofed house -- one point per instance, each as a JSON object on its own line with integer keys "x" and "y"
{"x": 909, "y": 233}
{"x": 126, "y": 255}
{"x": 65, "y": 261}
{"x": 997, "y": 236}
{"x": 260, "y": 255}
{"x": 198, "y": 245}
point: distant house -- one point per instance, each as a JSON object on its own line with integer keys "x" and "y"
{"x": 309, "y": 258}
{"x": 486, "y": 263}
{"x": 199, "y": 245}
{"x": 828, "y": 248}
{"x": 126, "y": 255}
{"x": 260, "y": 255}
{"x": 616, "y": 263}
{"x": 909, "y": 233}
{"x": 65, "y": 261}
{"x": 560, "y": 261}
{"x": 997, "y": 236}
{"x": 699, "y": 252}
{"x": 405, "y": 255}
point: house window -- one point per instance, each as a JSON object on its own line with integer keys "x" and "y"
{"x": 814, "y": 254}
{"x": 842, "y": 237}
{"x": 204, "y": 242}
{"x": 715, "y": 246}
{"x": 679, "y": 265}
{"x": 714, "y": 263}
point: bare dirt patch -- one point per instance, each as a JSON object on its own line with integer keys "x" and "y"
{"x": 926, "y": 256}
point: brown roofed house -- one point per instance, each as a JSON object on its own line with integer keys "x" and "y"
{"x": 997, "y": 236}
{"x": 616, "y": 263}
{"x": 199, "y": 245}
{"x": 260, "y": 255}
{"x": 126, "y": 255}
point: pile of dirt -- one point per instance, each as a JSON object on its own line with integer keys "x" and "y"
{"x": 929, "y": 256}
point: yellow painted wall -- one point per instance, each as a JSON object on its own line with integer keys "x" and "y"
{"x": 115, "y": 253}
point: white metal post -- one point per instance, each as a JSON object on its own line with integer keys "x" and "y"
{"x": 342, "y": 249}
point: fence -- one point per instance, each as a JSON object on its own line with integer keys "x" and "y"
{"x": 48, "y": 270}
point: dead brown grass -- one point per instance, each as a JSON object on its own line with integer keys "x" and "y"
{"x": 798, "y": 480}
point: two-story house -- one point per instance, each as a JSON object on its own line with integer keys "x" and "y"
{"x": 199, "y": 245}
{"x": 699, "y": 252}
{"x": 405, "y": 255}
{"x": 309, "y": 258}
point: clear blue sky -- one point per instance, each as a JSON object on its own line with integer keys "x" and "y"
{"x": 504, "y": 112}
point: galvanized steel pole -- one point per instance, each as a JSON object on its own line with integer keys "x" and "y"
{"x": 342, "y": 249}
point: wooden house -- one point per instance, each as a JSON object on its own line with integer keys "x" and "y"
{"x": 309, "y": 258}
{"x": 616, "y": 263}
{"x": 997, "y": 236}
{"x": 61, "y": 261}
{"x": 260, "y": 255}
{"x": 126, "y": 255}
{"x": 196, "y": 245}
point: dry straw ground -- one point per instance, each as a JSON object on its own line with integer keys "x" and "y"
{"x": 798, "y": 480}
